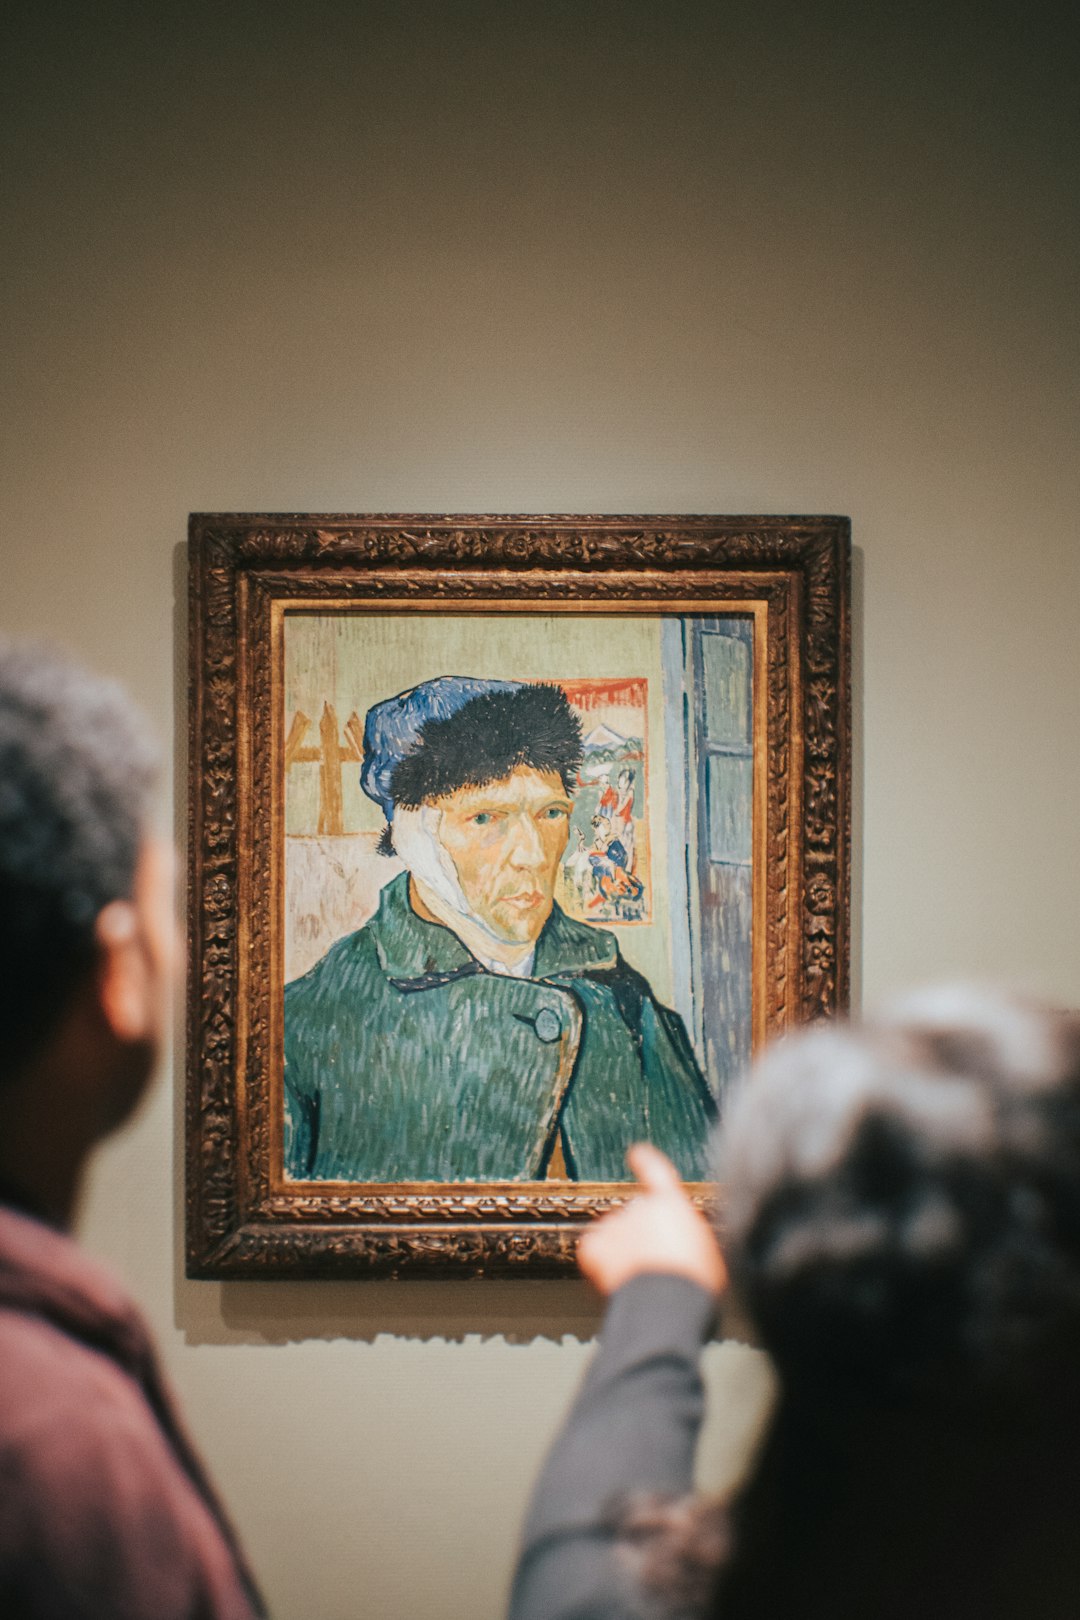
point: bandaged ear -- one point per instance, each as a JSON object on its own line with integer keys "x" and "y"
{"x": 416, "y": 841}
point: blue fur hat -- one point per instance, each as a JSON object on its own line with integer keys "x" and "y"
{"x": 392, "y": 729}
{"x": 457, "y": 731}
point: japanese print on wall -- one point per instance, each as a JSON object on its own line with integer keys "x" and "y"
{"x": 527, "y": 866}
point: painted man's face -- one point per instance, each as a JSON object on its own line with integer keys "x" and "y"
{"x": 506, "y": 840}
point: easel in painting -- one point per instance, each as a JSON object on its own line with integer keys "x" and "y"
{"x": 331, "y": 754}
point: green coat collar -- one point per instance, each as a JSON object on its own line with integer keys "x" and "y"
{"x": 409, "y": 948}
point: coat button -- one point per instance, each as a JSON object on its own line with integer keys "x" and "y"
{"x": 548, "y": 1024}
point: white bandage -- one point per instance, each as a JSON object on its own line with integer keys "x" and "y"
{"x": 417, "y": 842}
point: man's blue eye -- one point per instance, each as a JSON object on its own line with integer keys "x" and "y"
{"x": 555, "y": 812}
{"x": 482, "y": 818}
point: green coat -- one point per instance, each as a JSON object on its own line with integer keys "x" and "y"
{"x": 405, "y": 1060}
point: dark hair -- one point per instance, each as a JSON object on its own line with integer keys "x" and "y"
{"x": 488, "y": 738}
{"x": 902, "y": 1225}
{"x": 904, "y": 1196}
{"x": 76, "y": 770}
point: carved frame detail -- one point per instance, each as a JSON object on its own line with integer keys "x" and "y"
{"x": 239, "y": 565}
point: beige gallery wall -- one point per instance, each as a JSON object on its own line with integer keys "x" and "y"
{"x": 566, "y": 257}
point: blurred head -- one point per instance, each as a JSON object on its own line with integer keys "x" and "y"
{"x": 902, "y": 1213}
{"x": 904, "y": 1194}
{"x": 86, "y": 898}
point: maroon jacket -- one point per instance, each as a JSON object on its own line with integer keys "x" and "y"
{"x": 104, "y": 1507}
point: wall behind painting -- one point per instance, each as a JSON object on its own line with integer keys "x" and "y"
{"x": 603, "y": 257}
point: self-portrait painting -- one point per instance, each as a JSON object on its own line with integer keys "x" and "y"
{"x": 524, "y": 870}
{"x": 514, "y": 943}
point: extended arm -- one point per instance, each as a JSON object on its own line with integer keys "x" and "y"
{"x": 633, "y": 1428}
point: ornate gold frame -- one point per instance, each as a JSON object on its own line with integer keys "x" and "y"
{"x": 247, "y": 572}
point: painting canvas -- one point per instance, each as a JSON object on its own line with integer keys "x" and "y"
{"x": 540, "y": 951}
{"x": 510, "y": 840}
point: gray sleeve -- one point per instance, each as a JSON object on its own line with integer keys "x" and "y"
{"x": 633, "y": 1427}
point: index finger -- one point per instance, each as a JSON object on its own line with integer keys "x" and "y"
{"x": 653, "y": 1169}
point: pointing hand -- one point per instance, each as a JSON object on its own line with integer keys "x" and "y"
{"x": 658, "y": 1230}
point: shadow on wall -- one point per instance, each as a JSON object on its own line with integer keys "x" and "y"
{"x": 291, "y": 1312}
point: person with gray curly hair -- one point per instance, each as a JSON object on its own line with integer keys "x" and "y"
{"x": 105, "y": 1508}
{"x": 901, "y": 1226}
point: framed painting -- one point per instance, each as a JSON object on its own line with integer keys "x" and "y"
{"x": 510, "y": 839}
